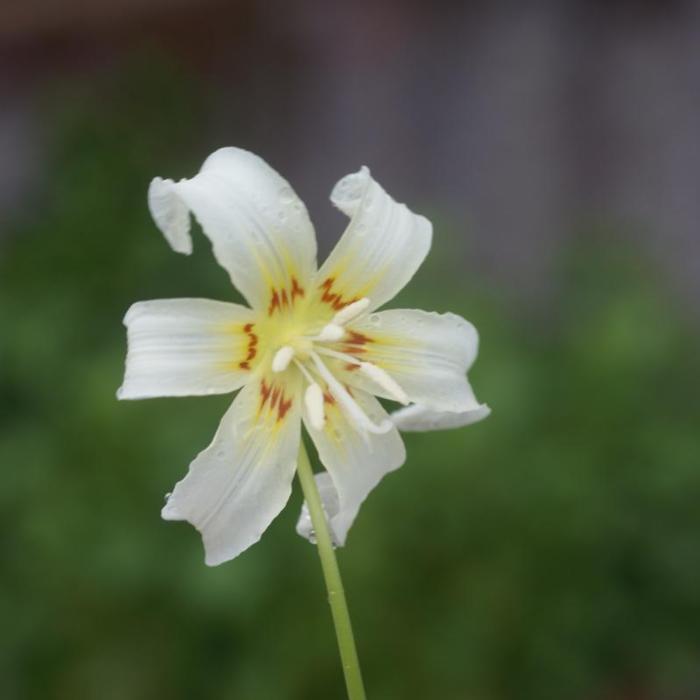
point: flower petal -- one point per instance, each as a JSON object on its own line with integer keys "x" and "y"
{"x": 259, "y": 228}
{"x": 356, "y": 463}
{"x": 237, "y": 486}
{"x": 381, "y": 249}
{"x": 185, "y": 347}
{"x": 331, "y": 506}
{"x": 418, "y": 418}
{"x": 426, "y": 353}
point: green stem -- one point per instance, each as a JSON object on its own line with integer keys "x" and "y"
{"x": 334, "y": 584}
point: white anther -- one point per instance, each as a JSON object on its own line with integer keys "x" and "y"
{"x": 313, "y": 398}
{"x": 351, "y": 311}
{"x": 330, "y": 333}
{"x": 282, "y": 358}
{"x": 384, "y": 380}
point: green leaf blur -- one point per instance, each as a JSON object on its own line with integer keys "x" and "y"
{"x": 549, "y": 552}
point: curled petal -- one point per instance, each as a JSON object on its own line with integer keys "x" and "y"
{"x": 259, "y": 229}
{"x": 331, "y": 507}
{"x": 381, "y": 249}
{"x": 418, "y": 418}
{"x": 237, "y": 486}
{"x": 355, "y": 462}
{"x": 186, "y": 347}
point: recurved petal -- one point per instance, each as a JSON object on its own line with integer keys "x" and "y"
{"x": 331, "y": 506}
{"x": 356, "y": 463}
{"x": 185, "y": 347}
{"x": 237, "y": 486}
{"x": 381, "y": 249}
{"x": 418, "y": 418}
{"x": 259, "y": 229}
{"x": 426, "y": 353}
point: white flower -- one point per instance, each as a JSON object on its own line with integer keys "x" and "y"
{"x": 311, "y": 348}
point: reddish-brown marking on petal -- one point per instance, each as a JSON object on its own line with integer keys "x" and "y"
{"x": 274, "y": 303}
{"x": 353, "y": 350}
{"x": 328, "y": 398}
{"x": 276, "y": 392}
{"x": 264, "y": 393}
{"x": 352, "y": 367}
{"x": 274, "y": 398}
{"x": 283, "y": 407}
{"x": 252, "y": 346}
{"x": 283, "y": 298}
{"x": 335, "y": 299}
{"x": 297, "y": 291}
{"x": 356, "y": 338}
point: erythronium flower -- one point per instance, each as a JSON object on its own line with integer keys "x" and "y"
{"x": 311, "y": 348}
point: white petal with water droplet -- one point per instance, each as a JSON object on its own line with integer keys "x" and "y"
{"x": 259, "y": 228}
{"x": 238, "y": 485}
{"x": 382, "y": 247}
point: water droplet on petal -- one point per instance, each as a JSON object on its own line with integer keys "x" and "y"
{"x": 286, "y": 195}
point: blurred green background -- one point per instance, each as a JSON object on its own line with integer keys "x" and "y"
{"x": 548, "y": 552}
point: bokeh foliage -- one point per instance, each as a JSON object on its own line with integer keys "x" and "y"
{"x": 549, "y": 552}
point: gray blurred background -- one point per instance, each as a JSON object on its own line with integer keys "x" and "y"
{"x": 521, "y": 122}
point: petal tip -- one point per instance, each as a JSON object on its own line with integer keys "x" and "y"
{"x": 169, "y": 514}
{"x": 349, "y": 191}
{"x": 421, "y": 418}
{"x": 170, "y": 214}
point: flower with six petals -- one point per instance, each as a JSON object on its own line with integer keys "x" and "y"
{"x": 311, "y": 348}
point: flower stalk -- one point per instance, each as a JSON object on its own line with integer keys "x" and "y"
{"x": 334, "y": 583}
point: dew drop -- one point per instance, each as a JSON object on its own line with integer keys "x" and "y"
{"x": 286, "y": 195}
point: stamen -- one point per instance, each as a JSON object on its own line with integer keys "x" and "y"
{"x": 304, "y": 371}
{"x": 386, "y": 381}
{"x": 282, "y": 358}
{"x": 339, "y": 356}
{"x": 313, "y": 398}
{"x": 376, "y": 374}
{"x": 351, "y": 311}
{"x": 353, "y": 410}
{"x": 330, "y": 333}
